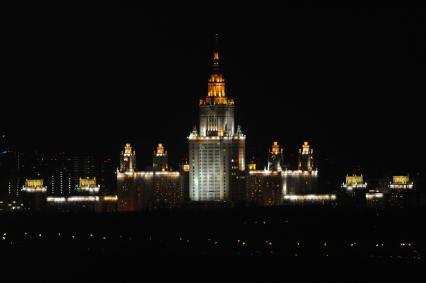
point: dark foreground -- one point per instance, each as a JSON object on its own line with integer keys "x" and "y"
{"x": 315, "y": 244}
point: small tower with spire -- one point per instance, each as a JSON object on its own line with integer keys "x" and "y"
{"x": 306, "y": 157}
{"x": 127, "y": 159}
{"x": 160, "y": 159}
{"x": 275, "y": 157}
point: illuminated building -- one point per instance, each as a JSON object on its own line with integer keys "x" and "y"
{"x": 276, "y": 185}
{"x": 34, "y": 186}
{"x": 304, "y": 180}
{"x": 216, "y": 150}
{"x": 94, "y": 166}
{"x": 160, "y": 159}
{"x": 34, "y": 194}
{"x": 88, "y": 185}
{"x": 401, "y": 191}
{"x": 401, "y": 183}
{"x": 168, "y": 191}
{"x": 65, "y": 171}
{"x": 298, "y": 182}
{"x": 275, "y": 157}
{"x": 83, "y": 166}
{"x": 128, "y": 159}
{"x": 149, "y": 190}
{"x": 374, "y": 195}
{"x": 355, "y": 190}
{"x": 157, "y": 188}
{"x": 266, "y": 187}
{"x": 252, "y": 165}
{"x": 184, "y": 166}
{"x": 354, "y": 182}
{"x": 306, "y": 157}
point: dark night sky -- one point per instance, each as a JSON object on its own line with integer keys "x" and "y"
{"x": 91, "y": 77}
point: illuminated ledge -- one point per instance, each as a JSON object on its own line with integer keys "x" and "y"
{"x": 354, "y": 186}
{"x": 90, "y": 189}
{"x": 264, "y": 172}
{"x": 299, "y": 173}
{"x": 370, "y": 196}
{"x": 74, "y": 199}
{"x": 284, "y": 173}
{"x": 216, "y": 138}
{"x": 149, "y": 174}
{"x": 112, "y": 198}
{"x": 312, "y": 197}
{"x": 401, "y": 186}
{"x": 34, "y": 190}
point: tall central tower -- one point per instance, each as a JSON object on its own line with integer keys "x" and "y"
{"x": 217, "y": 150}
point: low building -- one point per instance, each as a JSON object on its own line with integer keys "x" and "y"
{"x": 87, "y": 186}
{"x": 34, "y": 194}
{"x": 401, "y": 192}
{"x": 354, "y": 190}
{"x": 82, "y": 203}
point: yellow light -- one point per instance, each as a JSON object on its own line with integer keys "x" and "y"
{"x": 83, "y": 198}
{"x": 352, "y": 180}
{"x": 34, "y": 186}
{"x": 160, "y": 150}
{"x": 34, "y": 190}
{"x": 276, "y": 148}
{"x": 370, "y": 196}
{"x": 34, "y": 183}
{"x": 128, "y": 150}
{"x": 186, "y": 167}
{"x": 148, "y": 174}
{"x": 112, "y": 198}
{"x": 88, "y": 182}
{"x": 305, "y": 149}
{"x": 252, "y": 166}
{"x": 401, "y": 179}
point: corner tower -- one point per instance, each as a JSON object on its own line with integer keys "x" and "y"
{"x": 127, "y": 160}
{"x": 306, "y": 157}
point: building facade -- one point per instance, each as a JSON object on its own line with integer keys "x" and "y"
{"x": 276, "y": 185}
{"x": 157, "y": 188}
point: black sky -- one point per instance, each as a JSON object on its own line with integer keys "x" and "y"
{"x": 89, "y": 77}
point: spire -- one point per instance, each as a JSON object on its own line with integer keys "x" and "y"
{"x": 216, "y": 94}
{"x": 216, "y": 85}
{"x": 216, "y": 65}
